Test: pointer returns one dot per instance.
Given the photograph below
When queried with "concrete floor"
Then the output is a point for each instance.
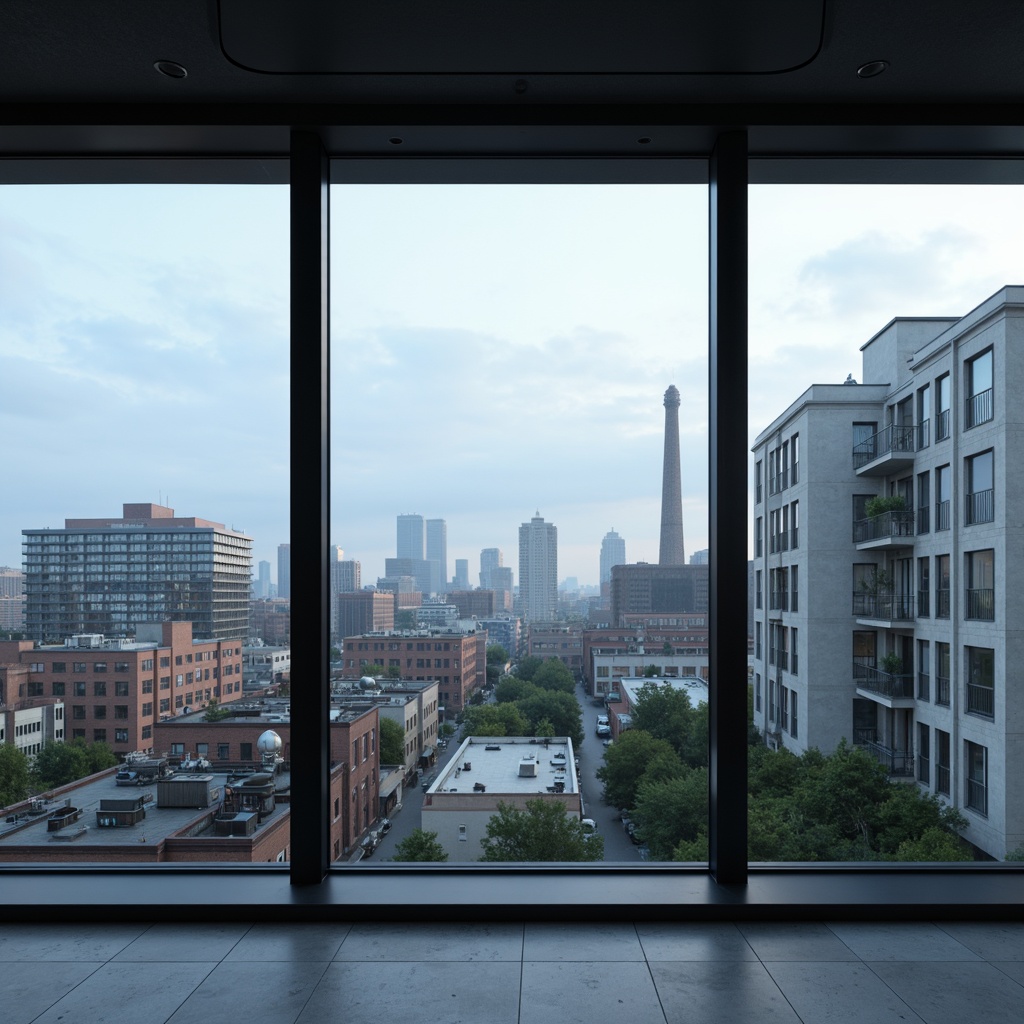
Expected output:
(512, 973)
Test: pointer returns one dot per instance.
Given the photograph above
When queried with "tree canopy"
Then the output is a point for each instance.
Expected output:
(392, 742)
(541, 832)
(495, 720)
(496, 654)
(420, 845)
(14, 775)
(667, 713)
(627, 760)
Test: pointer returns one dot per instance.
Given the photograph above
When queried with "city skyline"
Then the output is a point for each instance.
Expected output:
(537, 376)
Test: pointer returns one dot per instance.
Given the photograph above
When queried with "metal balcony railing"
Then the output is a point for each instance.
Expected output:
(891, 607)
(981, 604)
(942, 425)
(979, 507)
(978, 408)
(977, 796)
(981, 700)
(942, 515)
(887, 524)
(923, 434)
(889, 440)
(896, 686)
(895, 762)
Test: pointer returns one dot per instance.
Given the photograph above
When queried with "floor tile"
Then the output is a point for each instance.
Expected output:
(787, 941)
(290, 942)
(456, 942)
(721, 993)
(53, 942)
(952, 993)
(127, 993)
(1011, 968)
(900, 941)
(833, 992)
(438, 992)
(589, 993)
(711, 941)
(991, 941)
(28, 989)
(166, 943)
(272, 992)
(564, 942)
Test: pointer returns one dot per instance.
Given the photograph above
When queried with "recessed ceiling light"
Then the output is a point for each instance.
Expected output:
(395, 140)
(170, 68)
(872, 68)
(644, 140)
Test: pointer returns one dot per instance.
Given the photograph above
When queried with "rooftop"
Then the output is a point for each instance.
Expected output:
(510, 764)
(696, 687)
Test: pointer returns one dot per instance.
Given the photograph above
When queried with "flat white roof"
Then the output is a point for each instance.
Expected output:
(495, 763)
(696, 687)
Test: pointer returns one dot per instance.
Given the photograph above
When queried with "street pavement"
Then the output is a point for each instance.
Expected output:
(617, 845)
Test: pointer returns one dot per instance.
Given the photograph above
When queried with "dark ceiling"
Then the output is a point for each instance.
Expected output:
(406, 80)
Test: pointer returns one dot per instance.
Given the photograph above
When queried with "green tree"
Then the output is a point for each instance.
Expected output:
(541, 832)
(372, 669)
(671, 811)
(626, 761)
(553, 675)
(528, 666)
(512, 688)
(420, 845)
(214, 712)
(405, 619)
(57, 764)
(562, 710)
(99, 757)
(666, 713)
(496, 720)
(651, 672)
(14, 775)
(496, 655)
(392, 742)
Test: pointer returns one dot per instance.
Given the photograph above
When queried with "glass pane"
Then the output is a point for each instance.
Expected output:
(507, 363)
(862, 298)
(143, 349)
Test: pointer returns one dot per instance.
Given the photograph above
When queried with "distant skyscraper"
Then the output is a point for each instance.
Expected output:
(538, 569)
(284, 570)
(261, 589)
(461, 580)
(490, 559)
(410, 537)
(437, 554)
(613, 552)
(702, 557)
(671, 552)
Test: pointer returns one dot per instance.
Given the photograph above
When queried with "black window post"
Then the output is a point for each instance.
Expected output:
(310, 507)
(728, 448)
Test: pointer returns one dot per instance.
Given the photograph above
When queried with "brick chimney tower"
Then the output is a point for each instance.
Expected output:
(671, 552)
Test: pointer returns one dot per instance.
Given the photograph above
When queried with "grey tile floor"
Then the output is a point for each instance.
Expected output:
(512, 974)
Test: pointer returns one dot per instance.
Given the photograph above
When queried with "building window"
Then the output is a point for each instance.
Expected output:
(120, 710)
(784, 708)
(223, 751)
(924, 682)
(794, 591)
(758, 494)
(978, 403)
(120, 735)
(794, 524)
(793, 652)
(979, 500)
(942, 762)
(757, 638)
(79, 667)
(793, 726)
(924, 588)
(121, 688)
(59, 667)
(924, 503)
(942, 479)
(924, 413)
(99, 711)
(245, 749)
(758, 538)
(980, 593)
(924, 763)
(78, 711)
(757, 691)
(976, 795)
(99, 689)
(942, 586)
(865, 443)
(980, 665)
(99, 666)
(942, 674)
(121, 666)
(942, 424)
(57, 689)
(99, 735)
(794, 448)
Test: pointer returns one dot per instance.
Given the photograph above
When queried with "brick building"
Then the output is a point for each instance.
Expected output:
(365, 611)
(456, 659)
(116, 691)
(551, 640)
(472, 604)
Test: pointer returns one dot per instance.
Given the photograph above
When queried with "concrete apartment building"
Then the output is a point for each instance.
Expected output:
(28, 725)
(472, 604)
(538, 570)
(12, 599)
(116, 691)
(365, 611)
(894, 625)
(114, 575)
(554, 640)
(644, 589)
(271, 620)
(456, 659)
(488, 770)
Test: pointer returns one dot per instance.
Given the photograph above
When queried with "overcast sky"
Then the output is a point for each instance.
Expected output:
(497, 350)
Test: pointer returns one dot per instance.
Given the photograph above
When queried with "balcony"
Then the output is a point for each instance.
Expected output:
(889, 451)
(894, 529)
(979, 507)
(891, 689)
(942, 691)
(978, 409)
(886, 610)
(942, 425)
(895, 762)
(981, 604)
(981, 700)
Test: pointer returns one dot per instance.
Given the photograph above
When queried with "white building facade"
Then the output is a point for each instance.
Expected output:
(538, 570)
(885, 531)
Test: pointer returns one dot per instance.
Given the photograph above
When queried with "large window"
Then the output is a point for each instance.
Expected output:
(980, 665)
(978, 407)
(980, 594)
(979, 503)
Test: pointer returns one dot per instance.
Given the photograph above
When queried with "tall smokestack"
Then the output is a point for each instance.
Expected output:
(671, 552)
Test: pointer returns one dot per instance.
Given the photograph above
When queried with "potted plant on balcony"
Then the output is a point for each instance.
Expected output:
(892, 663)
(880, 504)
(878, 584)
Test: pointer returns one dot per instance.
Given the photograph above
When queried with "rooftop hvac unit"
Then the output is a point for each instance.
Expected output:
(528, 768)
